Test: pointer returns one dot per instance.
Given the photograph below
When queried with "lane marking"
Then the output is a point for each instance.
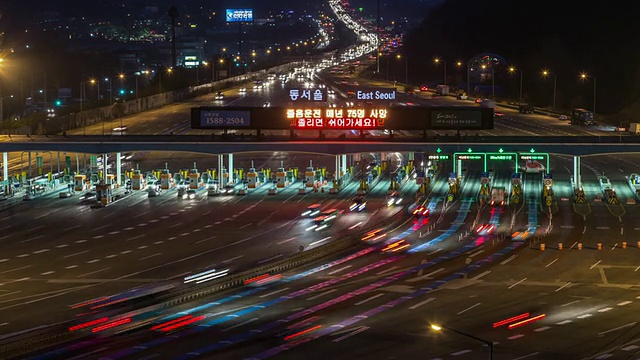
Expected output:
(563, 286)
(274, 292)
(338, 270)
(356, 332)
(241, 324)
(284, 241)
(594, 265)
(369, 299)
(75, 254)
(421, 303)
(508, 259)
(519, 282)
(387, 271)
(93, 272)
(469, 308)
(618, 328)
(244, 226)
(150, 256)
(551, 263)
(322, 294)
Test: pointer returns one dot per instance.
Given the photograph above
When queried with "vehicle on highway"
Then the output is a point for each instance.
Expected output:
(182, 184)
(461, 96)
(497, 196)
(242, 90)
(563, 117)
(374, 235)
(212, 187)
(478, 101)
(582, 117)
(533, 167)
(219, 95)
(266, 104)
(420, 211)
(312, 210)
(89, 196)
(120, 129)
(525, 109)
(424, 88)
(396, 246)
(409, 90)
(358, 204)
(485, 229)
(64, 195)
(394, 199)
(190, 194)
(498, 113)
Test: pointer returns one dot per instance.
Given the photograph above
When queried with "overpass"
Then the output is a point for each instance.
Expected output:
(567, 145)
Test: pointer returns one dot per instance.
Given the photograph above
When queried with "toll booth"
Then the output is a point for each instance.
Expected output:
(94, 179)
(485, 188)
(166, 180)
(110, 179)
(138, 181)
(79, 182)
(194, 179)
(225, 178)
(547, 189)
(282, 180)
(309, 177)
(453, 186)
(238, 175)
(253, 179)
(104, 193)
(212, 173)
(516, 189)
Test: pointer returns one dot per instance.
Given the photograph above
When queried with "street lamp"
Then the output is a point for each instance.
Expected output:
(493, 82)
(406, 68)
(583, 77)
(440, 327)
(546, 73)
(512, 70)
(2, 107)
(437, 61)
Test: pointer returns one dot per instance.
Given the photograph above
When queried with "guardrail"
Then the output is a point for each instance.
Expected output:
(28, 342)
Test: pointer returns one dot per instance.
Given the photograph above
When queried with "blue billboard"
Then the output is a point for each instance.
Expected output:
(239, 15)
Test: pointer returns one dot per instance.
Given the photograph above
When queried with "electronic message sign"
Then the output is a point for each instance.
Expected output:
(314, 116)
(239, 15)
(224, 118)
(374, 94)
(337, 118)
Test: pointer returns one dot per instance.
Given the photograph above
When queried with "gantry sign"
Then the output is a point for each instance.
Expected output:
(350, 118)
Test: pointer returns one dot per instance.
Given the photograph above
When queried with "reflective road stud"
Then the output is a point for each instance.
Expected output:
(599, 246)
(541, 247)
(579, 246)
(624, 244)
(559, 246)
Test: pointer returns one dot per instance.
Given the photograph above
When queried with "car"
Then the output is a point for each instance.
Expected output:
(563, 117)
(424, 88)
(187, 194)
(396, 246)
(485, 229)
(183, 184)
(258, 86)
(461, 96)
(88, 196)
(525, 109)
(435, 96)
(64, 195)
(120, 129)
(478, 100)
(219, 95)
(242, 90)
(420, 211)
(498, 113)
(358, 204)
(312, 210)
(266, 104)
(374, 235)
(394, 199)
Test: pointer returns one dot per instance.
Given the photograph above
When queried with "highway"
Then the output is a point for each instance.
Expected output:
(572, 267)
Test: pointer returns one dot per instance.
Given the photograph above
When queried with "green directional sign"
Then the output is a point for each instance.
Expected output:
(501, 157)
(438, 150)
(469, 156)
(534, 156)
(439, 157)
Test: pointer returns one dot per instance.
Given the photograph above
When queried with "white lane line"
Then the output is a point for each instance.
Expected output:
(594, 265)
(476, 253)
(244, 226)
(3, 260)
(480, 275)
(369, 299)
(421, 303)
(563, 286)
(71, 267)
(35, 228)
(508, 259)
(618, 328)
(203, 240)
(80, 241)
(284, 241)
(40, 251)
(469, 308)
(136, 237)
(625, 303)
(322, 294)
(93, 272)
(98, 236)
(542, 328)
(551, 263)
(461, 352)
(569, 303)
(141, 214)
(564, 322)
(319, 241)
(75, 254)
(150, 256)
(518, 336)
(356, 332)
(142, 247)
(7, 294)
(71, 228)
(33, 238)
(388, 270)
(271, 258)
(93, 261)
(605, 309)
(175, 225)
(61, 246)
(125, 252)
(22, 255)
(584, 316)
(274, 292)
(519, 282)
(233, 258)
(241, 324)
(338, 270)
(47, 273)
(16, 269)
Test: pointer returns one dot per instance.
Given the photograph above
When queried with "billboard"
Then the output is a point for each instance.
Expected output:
(315, 116)
(239, 15)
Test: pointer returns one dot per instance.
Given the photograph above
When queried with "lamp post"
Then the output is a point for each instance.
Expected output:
(2, 107)
(493, 82)
(546, 73)
(437, 61)
(440, 327)
(584, 76)
(406, 68)
(512, 70)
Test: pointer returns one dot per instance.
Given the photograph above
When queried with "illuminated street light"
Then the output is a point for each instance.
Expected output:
(437, 61)
(546, 73)
(585, 76)
(440, 327)
(512, 70)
